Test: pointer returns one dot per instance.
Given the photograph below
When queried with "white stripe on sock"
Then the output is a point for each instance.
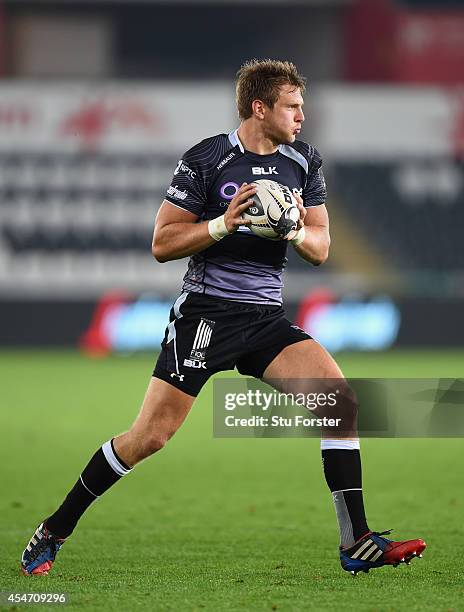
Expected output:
(86, 487)
(112, 460)
(341, 444)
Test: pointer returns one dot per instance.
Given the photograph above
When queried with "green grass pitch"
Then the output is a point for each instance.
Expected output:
(217, 524)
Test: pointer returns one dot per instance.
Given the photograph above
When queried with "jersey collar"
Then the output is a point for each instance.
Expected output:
(235, 140)
(286, 150)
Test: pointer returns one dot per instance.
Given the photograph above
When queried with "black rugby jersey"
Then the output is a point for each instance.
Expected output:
(241, 266)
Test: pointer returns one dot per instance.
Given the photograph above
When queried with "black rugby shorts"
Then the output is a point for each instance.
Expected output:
(206, 335)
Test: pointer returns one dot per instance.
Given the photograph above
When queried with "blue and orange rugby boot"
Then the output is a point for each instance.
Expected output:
(40, 553)
(373, 550)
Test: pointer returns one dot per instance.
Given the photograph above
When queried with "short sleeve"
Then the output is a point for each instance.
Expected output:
(314, 191)
(187, 188)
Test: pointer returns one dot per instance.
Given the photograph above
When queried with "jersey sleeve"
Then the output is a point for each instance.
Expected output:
(187, 189)
(314, 191)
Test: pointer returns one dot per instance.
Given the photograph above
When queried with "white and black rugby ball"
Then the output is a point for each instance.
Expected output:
(274, 213)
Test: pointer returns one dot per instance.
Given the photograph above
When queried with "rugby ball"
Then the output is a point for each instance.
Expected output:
(274, 213)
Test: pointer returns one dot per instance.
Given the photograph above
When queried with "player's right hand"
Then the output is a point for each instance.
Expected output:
(240, 202)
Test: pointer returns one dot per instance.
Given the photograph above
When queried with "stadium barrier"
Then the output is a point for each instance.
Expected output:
(126, 324)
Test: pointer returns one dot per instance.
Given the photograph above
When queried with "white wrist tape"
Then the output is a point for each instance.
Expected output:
(217, 228)
(300, 236)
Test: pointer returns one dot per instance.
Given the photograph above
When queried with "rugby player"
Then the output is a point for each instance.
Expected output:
(229, 313)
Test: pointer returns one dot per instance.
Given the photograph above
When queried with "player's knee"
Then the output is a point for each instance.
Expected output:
(153, 443)
(156, 440)
(348, 403)
(341, 411)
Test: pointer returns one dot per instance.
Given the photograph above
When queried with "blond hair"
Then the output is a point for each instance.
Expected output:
(262, 80)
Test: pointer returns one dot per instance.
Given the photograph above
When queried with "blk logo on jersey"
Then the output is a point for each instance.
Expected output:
(263, 172)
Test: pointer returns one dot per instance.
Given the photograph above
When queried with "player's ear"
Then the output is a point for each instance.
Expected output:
(258, 108)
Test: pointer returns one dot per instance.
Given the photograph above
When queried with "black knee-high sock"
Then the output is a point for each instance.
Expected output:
(342, 470)
(103, 471)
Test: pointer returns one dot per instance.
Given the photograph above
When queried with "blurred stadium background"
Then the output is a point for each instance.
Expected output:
(98, 101)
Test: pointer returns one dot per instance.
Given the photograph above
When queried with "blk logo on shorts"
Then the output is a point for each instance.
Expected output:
(195, 363)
